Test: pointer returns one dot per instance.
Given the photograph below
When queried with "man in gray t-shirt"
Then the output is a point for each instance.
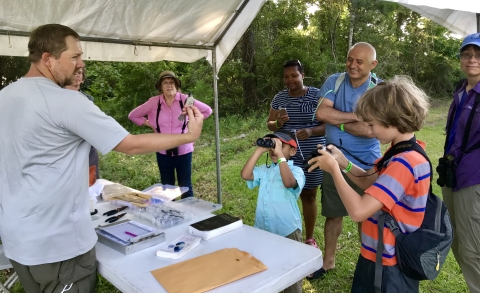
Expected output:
(46, 133)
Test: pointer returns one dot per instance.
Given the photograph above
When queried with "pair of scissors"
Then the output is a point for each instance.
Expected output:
(113, 212)
(115, 218)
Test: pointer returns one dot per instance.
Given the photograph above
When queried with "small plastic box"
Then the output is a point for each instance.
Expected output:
(164, 193)
(170, 214)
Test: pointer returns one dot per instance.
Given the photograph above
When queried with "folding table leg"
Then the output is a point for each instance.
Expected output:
(13, 278)
(4, 288)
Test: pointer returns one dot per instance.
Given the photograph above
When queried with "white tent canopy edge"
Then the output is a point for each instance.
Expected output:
(143, 31)
(462, 17)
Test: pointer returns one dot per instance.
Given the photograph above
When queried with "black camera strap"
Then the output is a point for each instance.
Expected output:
(400, 147)
(159, 107)
(466, 135)
(353, 156)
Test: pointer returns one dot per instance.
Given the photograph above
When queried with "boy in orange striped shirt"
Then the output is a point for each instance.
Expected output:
(394, 110)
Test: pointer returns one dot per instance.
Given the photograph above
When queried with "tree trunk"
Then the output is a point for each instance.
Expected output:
(248, 59)
(352, 10)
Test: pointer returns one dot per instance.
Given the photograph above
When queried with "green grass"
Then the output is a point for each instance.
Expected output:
(238, 133)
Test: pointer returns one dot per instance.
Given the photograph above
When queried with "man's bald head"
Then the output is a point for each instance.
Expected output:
(372, 53)
(361, 60)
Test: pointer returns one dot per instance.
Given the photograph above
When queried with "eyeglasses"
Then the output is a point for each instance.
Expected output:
(467, 56)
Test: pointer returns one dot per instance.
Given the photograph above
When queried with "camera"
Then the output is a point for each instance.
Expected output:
(446, 172)
(314, 153)
(266, 143)
(172, 152)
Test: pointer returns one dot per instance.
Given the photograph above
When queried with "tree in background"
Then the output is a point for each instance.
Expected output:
(11, 69)
(317, 32)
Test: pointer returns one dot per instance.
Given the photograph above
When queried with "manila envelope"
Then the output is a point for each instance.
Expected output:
(208, 271)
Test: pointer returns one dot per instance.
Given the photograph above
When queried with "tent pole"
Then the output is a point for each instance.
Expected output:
(217, 125)
(478, 22)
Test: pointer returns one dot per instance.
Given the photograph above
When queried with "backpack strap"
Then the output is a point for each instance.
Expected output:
(377, 283)
(184, 120)
(373, 81)
(159, 107)
(459, 85)
(452, 115)
(396, 149)
(338, 82)
(466, 134)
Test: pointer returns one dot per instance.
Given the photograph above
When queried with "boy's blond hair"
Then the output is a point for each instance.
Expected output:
(397, 102)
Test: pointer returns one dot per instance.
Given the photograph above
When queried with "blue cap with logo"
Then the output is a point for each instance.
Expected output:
(473, 39)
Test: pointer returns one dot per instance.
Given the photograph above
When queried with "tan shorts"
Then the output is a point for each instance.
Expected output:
(332, 205)
(75, 275)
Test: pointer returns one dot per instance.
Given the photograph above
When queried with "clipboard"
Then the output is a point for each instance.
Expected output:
(114, 236)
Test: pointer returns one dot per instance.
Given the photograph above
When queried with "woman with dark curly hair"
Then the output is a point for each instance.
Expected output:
(292, 110)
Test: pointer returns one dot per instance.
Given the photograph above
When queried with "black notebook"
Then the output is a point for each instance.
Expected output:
(215, 226)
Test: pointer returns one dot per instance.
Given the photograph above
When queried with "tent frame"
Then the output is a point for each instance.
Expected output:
(173, 45)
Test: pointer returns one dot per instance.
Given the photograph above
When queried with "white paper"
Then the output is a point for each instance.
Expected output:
(93, 192)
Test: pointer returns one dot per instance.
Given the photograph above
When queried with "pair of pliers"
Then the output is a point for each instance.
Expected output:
(113, 212)
(115, 218)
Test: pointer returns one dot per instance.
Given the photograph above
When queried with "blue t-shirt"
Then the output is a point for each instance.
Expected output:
(277, 209)
(367, 149)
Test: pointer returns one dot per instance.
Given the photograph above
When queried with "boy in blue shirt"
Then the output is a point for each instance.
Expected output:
(280, 185)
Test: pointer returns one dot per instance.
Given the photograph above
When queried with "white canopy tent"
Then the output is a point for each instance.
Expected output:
(137, 31)
(462, 17)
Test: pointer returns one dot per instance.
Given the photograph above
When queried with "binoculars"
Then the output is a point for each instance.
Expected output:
(446, 172)
(266, 143)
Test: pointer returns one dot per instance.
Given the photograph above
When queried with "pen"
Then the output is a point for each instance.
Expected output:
(130, 233)
(113, 219)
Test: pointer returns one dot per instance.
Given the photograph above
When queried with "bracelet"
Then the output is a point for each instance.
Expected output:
(281, 160)
(276, 124)
(349, 167)
(342, 127)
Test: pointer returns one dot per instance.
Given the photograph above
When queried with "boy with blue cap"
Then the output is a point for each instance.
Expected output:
(280, 185)
(458, 170)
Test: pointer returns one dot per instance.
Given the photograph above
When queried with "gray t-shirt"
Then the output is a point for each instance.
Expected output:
(45, 138)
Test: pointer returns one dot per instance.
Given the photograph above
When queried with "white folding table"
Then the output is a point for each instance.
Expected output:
(288, 261)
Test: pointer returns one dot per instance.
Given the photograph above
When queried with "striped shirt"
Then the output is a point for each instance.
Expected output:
(403, 188)
(300, 111)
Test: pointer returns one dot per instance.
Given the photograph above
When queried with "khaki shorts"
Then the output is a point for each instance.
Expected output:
(332, 205)
(75, 275)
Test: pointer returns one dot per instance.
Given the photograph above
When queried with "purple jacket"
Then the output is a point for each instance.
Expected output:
(467, 171)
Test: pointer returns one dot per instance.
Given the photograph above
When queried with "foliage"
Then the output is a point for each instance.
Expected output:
(406, 43)
(11, 69)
